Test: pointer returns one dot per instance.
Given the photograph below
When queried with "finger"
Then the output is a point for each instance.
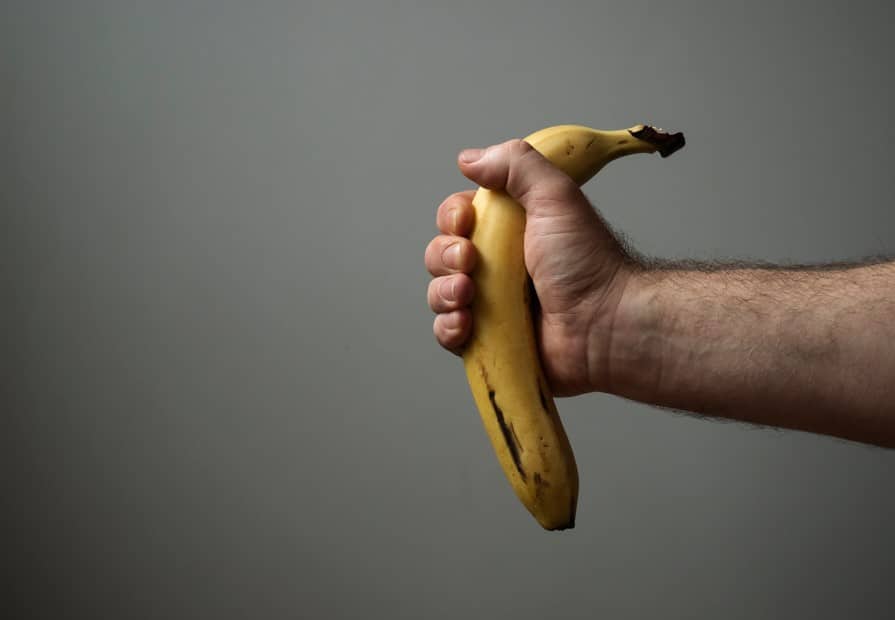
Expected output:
(455, 215)
(526, 175)
(446, 254)
(452, 329)
(449, 293)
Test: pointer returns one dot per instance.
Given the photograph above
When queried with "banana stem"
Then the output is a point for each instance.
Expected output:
(665, 143)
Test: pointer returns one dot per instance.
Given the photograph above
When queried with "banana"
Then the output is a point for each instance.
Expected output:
(501, 357)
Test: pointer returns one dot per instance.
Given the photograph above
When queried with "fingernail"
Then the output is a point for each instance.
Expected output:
(451, 255)
(455, 219)
(470, 156)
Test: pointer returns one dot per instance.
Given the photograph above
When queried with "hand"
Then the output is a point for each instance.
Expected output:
(579, 269)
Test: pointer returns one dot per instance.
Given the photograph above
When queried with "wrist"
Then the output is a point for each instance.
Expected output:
(624, 337)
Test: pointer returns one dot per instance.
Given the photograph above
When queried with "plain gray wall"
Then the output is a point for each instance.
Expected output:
(222, 398)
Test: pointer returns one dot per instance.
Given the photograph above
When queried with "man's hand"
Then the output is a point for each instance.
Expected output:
(578, 268)
(808, 348)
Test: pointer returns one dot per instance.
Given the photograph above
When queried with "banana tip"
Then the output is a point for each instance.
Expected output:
(559, 526)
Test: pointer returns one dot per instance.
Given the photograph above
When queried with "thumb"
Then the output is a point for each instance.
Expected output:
(518, 169)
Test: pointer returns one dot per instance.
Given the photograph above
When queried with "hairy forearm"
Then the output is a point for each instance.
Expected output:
(809, 349)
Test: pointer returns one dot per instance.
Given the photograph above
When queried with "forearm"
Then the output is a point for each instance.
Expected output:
(806, 349)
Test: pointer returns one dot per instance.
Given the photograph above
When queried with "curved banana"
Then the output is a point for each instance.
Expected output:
(501, 357)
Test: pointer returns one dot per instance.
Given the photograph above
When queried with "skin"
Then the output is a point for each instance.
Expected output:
(806, 348)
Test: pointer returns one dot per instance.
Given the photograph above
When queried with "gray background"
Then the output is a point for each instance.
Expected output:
(221, 394)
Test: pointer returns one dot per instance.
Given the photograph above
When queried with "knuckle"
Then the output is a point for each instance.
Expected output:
(518, 147)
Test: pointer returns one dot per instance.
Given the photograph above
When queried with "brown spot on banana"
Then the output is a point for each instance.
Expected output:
(483, 372)
(516, 441)
(509, 436)
(540, 486)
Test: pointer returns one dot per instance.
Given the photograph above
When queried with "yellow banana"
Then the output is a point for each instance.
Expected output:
(501, 356)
